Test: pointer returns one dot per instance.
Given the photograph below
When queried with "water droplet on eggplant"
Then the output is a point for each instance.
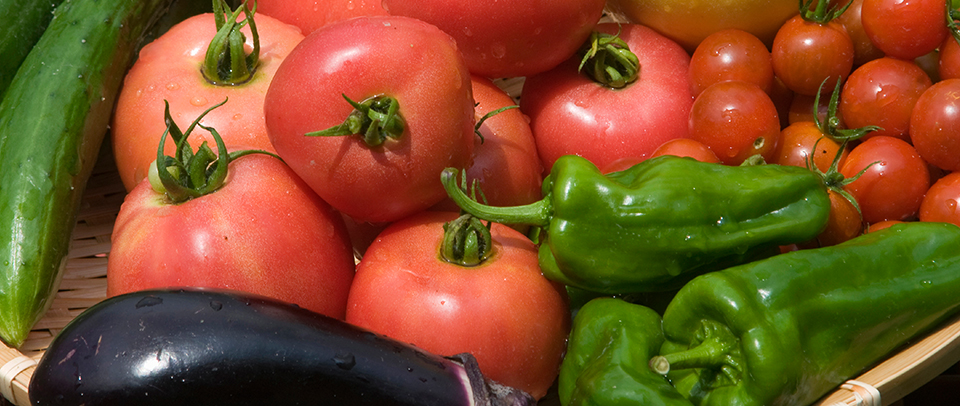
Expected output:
(149, 301)
(345, 361)
(216, 305)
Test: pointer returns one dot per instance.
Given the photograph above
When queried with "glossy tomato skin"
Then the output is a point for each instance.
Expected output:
(805, 53)
(508, 38)
(948, 60)
(503, 311)
(935, 125)
(940, 203)
(893, 187)
(730, 54)
(904, 29)
(169, 69)
(863, 48)
(883, 93)
(505, 162)
(308, 15)
(796, 147)
(264, 232)
(736, 120)
(359, 58)
(689, 22)
(571, 114)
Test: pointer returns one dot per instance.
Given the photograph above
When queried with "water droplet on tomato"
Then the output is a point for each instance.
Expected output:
(173, 86)
(498, 50)
(198, 101)
(237, 116)
(951, 204)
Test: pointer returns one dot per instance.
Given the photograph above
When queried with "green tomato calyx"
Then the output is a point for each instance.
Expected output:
(376, 119)
(608, 60)
(226, 62)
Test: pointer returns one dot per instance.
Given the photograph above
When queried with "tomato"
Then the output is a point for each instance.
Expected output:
(730, 54)
(572, 114)
(843, 224)
(882, 225)
(893, 185)
(508, 38)
(863, 48)
(736, 120)
(935, 125)
(687, 147)
(940, 203)
(169, 68)
(264, 231)
(689, 22)
(948, 59)
(883, 93)
(904, 29)
(805, 53)
(505, 162)
(387, 60)
(796, 147)
(308, 15)
(801, 108)
(503, 310)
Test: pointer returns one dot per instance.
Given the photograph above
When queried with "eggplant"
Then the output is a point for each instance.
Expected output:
(220, 347)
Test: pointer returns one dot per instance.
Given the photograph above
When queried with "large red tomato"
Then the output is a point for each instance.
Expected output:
(690, 21)
(570, 113)
(508, 38)
(308, 15)
(169, 68)
(389, 60)
(264, 231)
(503, 311)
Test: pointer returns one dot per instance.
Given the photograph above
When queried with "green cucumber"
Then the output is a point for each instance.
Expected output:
(53, 120)
(21, 24)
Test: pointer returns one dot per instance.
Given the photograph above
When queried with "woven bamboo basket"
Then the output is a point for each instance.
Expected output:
(84, 284)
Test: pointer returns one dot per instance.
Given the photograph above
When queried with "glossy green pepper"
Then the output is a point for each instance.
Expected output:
(788, 329)
(610, 345)
(657, 224)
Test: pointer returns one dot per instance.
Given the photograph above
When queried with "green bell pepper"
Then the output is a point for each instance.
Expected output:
(661, 222)
(788, 329)
(606, 361)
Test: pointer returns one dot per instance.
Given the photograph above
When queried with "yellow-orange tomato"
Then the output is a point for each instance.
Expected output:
(690, 21)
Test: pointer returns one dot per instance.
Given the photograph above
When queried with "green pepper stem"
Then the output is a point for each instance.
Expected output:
(711, 353)
(534, 214)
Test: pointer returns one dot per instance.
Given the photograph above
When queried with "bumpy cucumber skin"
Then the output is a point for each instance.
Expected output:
(53, 120)
(22, 22)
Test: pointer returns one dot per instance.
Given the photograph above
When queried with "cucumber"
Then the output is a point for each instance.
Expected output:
(53, 120)
(21, 24)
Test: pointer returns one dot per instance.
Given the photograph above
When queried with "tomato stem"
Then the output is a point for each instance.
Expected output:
(466, 241)
(609, 60)
(226, 62)
(190, 174)
(821, 14)
(376, 119)
(830, 125)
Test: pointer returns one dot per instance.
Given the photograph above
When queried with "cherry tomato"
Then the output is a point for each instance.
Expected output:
(883, 93)
(169, 68)
(687, 147)
(392, 62)
(940, 203)
(503, 310)
(796, 147)
(948, 60)
(508, 38)
(730, 54)
(308, 15)
(895, 180)
(736, 120)
(863, 49)
(843, 224)
(805, 53)
(572, 114)
(505, 162)
(904, 29)
(882, 225)
(264, 231)
(935, 125)
(689, 22)
(801, 108)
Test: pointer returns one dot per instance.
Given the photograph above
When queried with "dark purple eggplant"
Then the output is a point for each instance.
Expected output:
(217, 347)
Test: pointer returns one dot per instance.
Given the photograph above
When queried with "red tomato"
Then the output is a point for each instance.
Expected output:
(882, 225)
(508, 38)
(571, 114)
(689, 22)
(736, 120)
(362, 58)
(730, 54)
(687, 147)
(169, 69)
(505, 161)
(935, 125)
(863, 49)
(891, 188)
(796, 146)
(948, 59)
(503, 311)
(264, 231)
(805, 53)
(801, 108)
(940, 203)
(843, 224)
(308, 15)
(904, 29)
(882, 92)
